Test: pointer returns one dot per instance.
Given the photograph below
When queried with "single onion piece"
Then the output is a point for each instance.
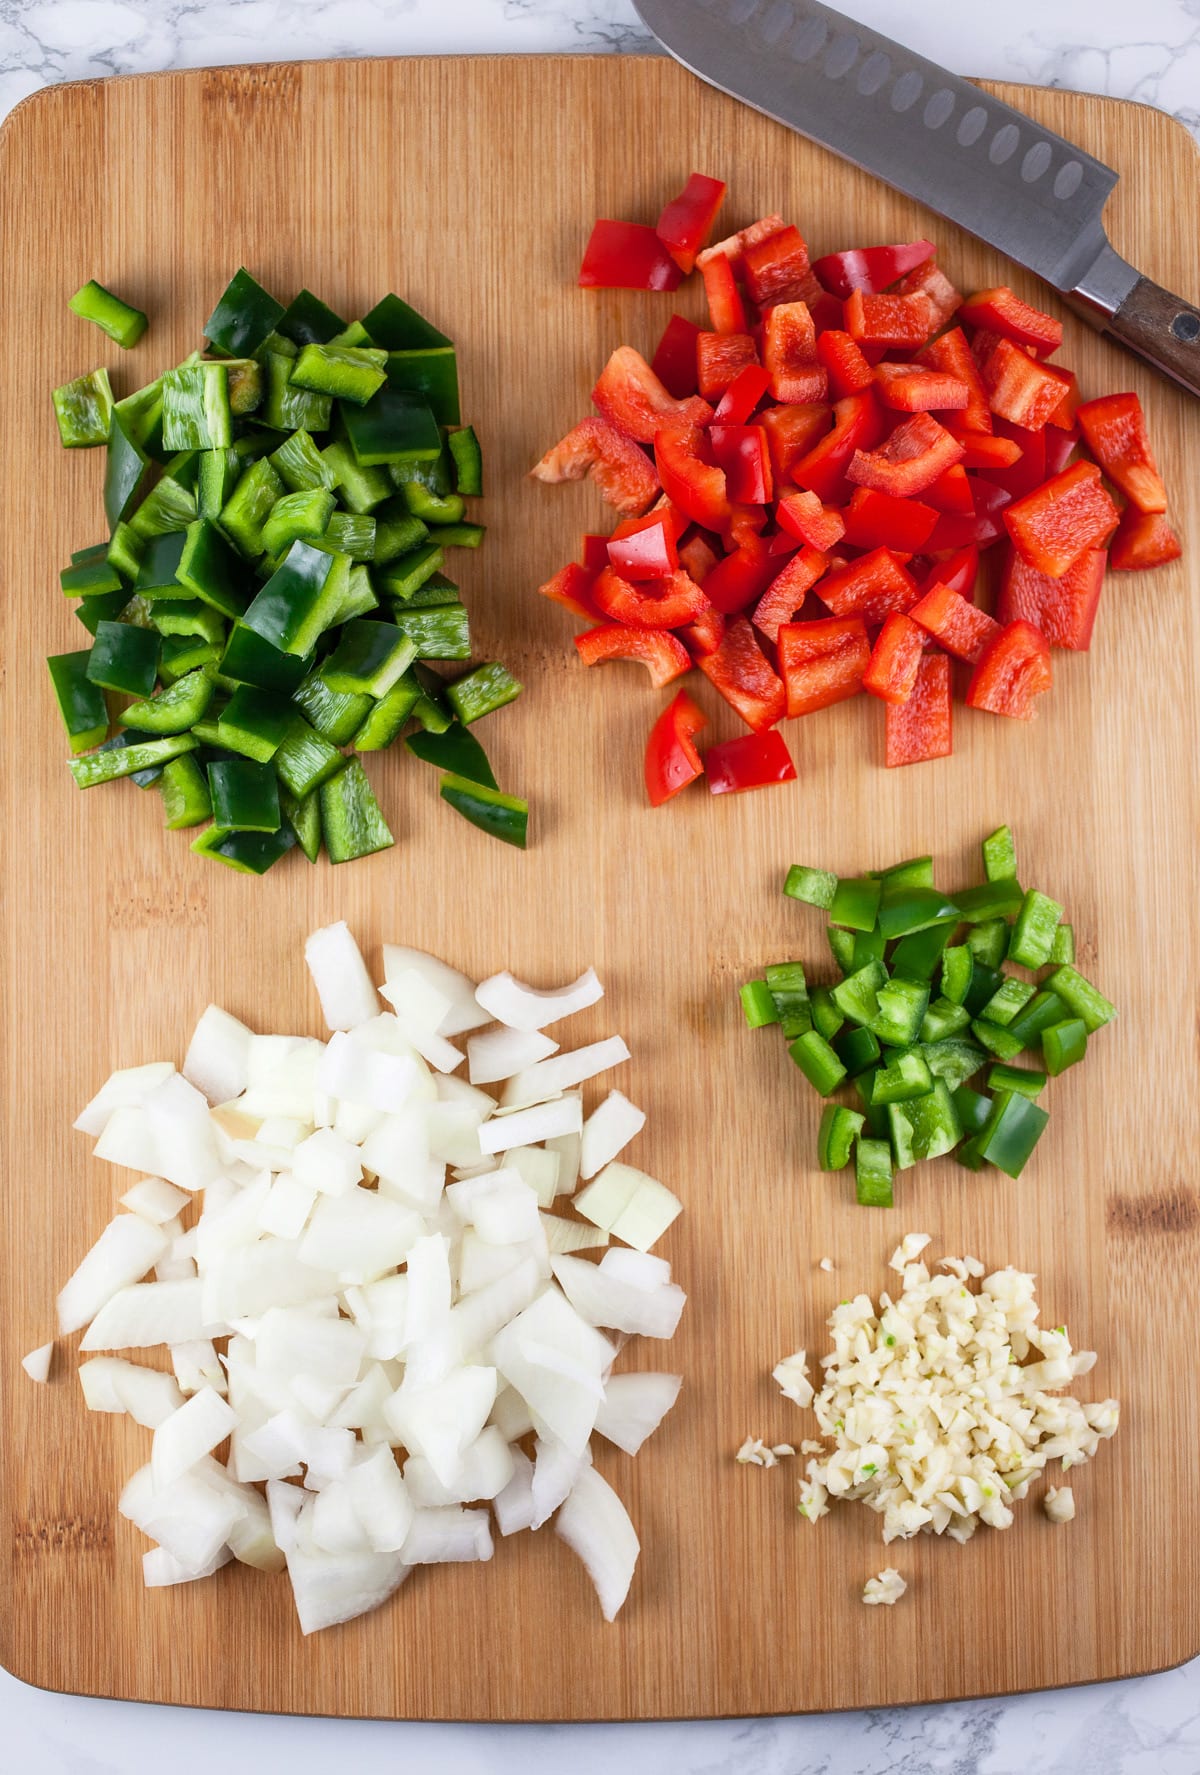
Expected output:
(528, 1125)
(603, 1298)
(191, 1432)
(633, 1407)
(160, 1568)
(448, 1536)
(499, 1053)
(607, 1131)
(629, 1204)
(125, 1250)
(330, 1588)
(519, 1006)
(513, 1507)
(464, 1013)
(37, 1363)
(155, 1200)
(218, 1057)
(549, 1077)
(571, 1235)
(124, 1089)
(340, 976)
(595, 1524)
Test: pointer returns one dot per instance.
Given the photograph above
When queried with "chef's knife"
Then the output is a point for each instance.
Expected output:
(938, 138)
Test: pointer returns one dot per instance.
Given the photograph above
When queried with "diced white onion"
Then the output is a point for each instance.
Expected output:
(124, 1089)
(340, 976)
(633, 1407)
(629, 1204)
(499, 1053)
(155, 1200)
(519, 1006)
(595, 1524)
(536, 1084)
(191, 1432)
(465, 1013)
(37, 1363)
(527, 1125)
(218, 1057)
(125, 1250)
(608, 1131)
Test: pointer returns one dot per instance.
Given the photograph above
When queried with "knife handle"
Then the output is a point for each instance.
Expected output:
(1163, 329)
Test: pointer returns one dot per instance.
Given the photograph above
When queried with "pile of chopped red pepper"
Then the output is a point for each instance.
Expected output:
(806, 488)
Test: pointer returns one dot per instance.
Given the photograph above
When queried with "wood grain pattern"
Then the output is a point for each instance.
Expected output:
(469, 185)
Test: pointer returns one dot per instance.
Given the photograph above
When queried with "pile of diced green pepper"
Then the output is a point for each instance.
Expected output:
(271, 593)
(923, 1005)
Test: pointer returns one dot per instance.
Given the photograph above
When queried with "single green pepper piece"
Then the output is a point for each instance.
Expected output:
(857, 1049)
(361, 489)
(81, 702)
(873, 1173)
(435, 476)
(397, 327)
(173, 710)
(308, 321)
(501, 816)
(1012, 1131)
(841, 947)
(127, 760)
(402, 577)
(245, 795)
(354, 334)
(432, 508)
(906, 1076)
(359, 598)
(855, 903)
(301, 467)
(996, 1038)
(758, 1006)
(184, 467)
(915, 872)
(84, 410)
(210, 569)
(196, 413)
(248, 507)
(184, 790)
(369, 658)
(429, 371)
(953, 1060)
(441, 633)
(244, 379)
(389, 715)
(118, 319)
(942, 1019)
(1000, 855)
(818, 1062)
(185, 653)
(187, 616)
(124, 658)
(456, 751)
(166, 509)
(353, 534)
(254, 722)
(789, 990)
(351, 821)
(868, 946)
(840, 1128)
(973, 1109)
(305, 760)
(1062, 949)
(216, 478)
(145, 774)
(900, 1010)
(984, 982)
(287, 407)
(815, 887)
(90, 579)
(106, 608)
(904, 908)
(298, 602)
(957, 968)
(468, 461)
(924, 1127)
(919, 955)
(431, 709)
(125, 551)
(140, 416)
(93, 556)
(1081, 998)
(1042, 1010)
(397, 532)
(856, 997)
(991, 899)
(461, 536)
(248, 659)
(1064, 1044)
(126, 469)
(349, 373)
(1032, 936)
(1007, 1001)
(158, 570)
(826, 1018)
(336, 717)
(297, 515)
(244, 317)
(250, 853)
(1016, 1078)
(304, 818)
(987, 942)
(392, 427)
(477, 694)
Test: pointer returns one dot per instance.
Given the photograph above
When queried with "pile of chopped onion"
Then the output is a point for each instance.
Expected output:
(376, 1303)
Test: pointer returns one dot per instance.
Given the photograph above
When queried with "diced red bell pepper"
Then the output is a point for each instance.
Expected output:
(951, 492)
(1018, 387)
(733, 247)
(644, 548)
(1000, 311)
(918, 451)
(803, 516)
(1068, 514)
(726, 309)
(871, 269)
(743, 395)
(1029, 470)
(981, 449)
(930, 281)
(741, 450)
(627, 256)
(572, 587)
(777, 270)
(982, 527)
(823, 662)
(950, 352)
(1059, 446)
(962, 628)
(912, 388)
(792, 432)
(741, 577)
(790, 354)
(877, 520)
(744, 676)
(753, 762)
(595, 553)
(674, 361)
(706, 633)
(623, 472)
(922, 727)
(858, 424)
(843, 359)
(687, 221)
(1013, 671)
(1064, 609)
(1065, 415)
(663, 655)
(872, 587)
(720, 360)
(827, 313)
(661, 604)
(1115, 429)
(958, 571)
(631, 397)
(1143, 539)
(890, 320)
(745, 526)
(788, 590)
(895, 660)
(690, 479)
(699, 557)
(672, 761)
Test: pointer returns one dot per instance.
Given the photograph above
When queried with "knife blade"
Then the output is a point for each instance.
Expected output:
(942, 140)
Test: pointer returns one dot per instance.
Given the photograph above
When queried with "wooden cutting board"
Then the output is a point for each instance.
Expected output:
(469, 185)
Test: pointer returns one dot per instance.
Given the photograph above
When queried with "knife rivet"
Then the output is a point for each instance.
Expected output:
(1186, 327)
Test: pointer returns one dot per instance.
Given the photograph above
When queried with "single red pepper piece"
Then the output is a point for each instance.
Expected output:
(872, 587)
(803, 516)
(1065, 415)
(631, 397)
(1064, 609)
(918, 451)
(741, 577)
(1013, 671)
(663, 656)
(743, 395)
(790, 354)
(745, 526)
(931, 282)
(726, 309)
(1018, 387)
(912, 388)
(644, 548)
(741, 450)
(981, 449)
(827, 313)
(1000, 311)
(676, 521)
(687, 221)
(957, 571)
(720, 360)
(1115, 429)
(623, 472)
(706, 633)
(1029, 470)
(871, 269)
(627, 256)
(792, 432)
(895, 660)
(674, 360)
(890, 320)
(788, 590)
(878, 520)
(776, 269)
(699, 557)
(951, 353)
(858, 424)
(753, 762)
(823, 662)
(664, 604)
(843, 359)
(744, 676)
(1059, 446)
(733, 247)
(572, 587)
(981, 528)
(1143, 539)
(922, 727)
(951, 492)
(672, 761)
(1068, 514)
(595, 553)
(690, 479)
(962, 628)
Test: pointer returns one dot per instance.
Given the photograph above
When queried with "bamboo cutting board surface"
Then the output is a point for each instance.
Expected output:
(469, 185)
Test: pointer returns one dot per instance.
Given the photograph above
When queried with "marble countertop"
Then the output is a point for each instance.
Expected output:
(1147, 1726)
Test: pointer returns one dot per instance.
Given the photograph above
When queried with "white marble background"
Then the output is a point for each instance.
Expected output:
(1138, 49)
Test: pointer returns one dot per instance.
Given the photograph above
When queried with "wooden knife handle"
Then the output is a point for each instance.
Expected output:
(1163, 329)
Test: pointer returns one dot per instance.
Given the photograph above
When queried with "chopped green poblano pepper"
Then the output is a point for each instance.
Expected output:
(432, 508)
(392, 427)
(84, 410)
(126, 469)
(397, 532)
(254, 722)
(815, 887)
(361, 489)
(789, 990)
(244, 317)
(80, 701)
(106, 608)
(184, 653)
(287, 407)
(429, 371)
(184, 790)
(196, 412)
(487, 688)
(308, 321)
(440, 633)
(248, 659)
(335, 716)
(120, 320)
(1000, 855)
(1032, 936)
(347, 372)
(1064, 1044)
(248, 507)
(250, 853)
(1081, 998)
(873, 1173)
(840, 1128)
(128, 760)
(168, 507)
(304, 818)
(124, 658)
(1013, 1129)
(389, 715)
(297, 515)
(758, 1005)
(210, 569)
(174, 710)
(300, 465)
(218, 475)
(351, 822)
(369, 658)
(245, 795)
(461, 536)
(397, 327)
(305, 759)
(468, 461)
(359, 598)
(158, 570)
(501, 816)
(353, 534)
(298, 602)
(90, 579)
